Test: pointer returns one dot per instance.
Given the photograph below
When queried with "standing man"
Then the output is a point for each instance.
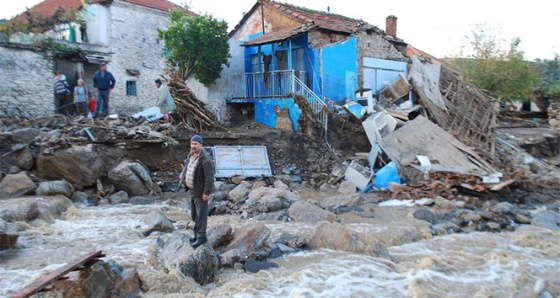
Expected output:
(165, 103)
(199, 177)
(103, 82)
(62, 92)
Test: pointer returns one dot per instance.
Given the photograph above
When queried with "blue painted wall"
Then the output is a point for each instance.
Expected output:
(340, 72)
(265, 111)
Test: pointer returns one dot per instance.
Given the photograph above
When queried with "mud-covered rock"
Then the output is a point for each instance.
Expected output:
(133, 178)
(80, 165)
(16, 185)
(53, 188)
(249, 238)
(30, 208)
(156, 221)
(338, 237)
(306, 212)
(201, 263)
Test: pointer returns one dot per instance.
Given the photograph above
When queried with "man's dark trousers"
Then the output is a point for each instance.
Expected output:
(102, 101)
(199, 214)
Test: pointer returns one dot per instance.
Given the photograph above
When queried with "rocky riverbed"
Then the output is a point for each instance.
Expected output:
(70, 186)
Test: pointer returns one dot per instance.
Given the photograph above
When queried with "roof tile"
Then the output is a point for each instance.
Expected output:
(322, 19)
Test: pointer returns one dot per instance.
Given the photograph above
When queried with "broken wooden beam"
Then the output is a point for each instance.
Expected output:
(77, 264)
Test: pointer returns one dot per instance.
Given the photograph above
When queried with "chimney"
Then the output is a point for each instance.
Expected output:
(391, 26)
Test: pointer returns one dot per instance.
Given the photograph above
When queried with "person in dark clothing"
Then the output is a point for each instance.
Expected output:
(62, 93)
(199, 178)
(103, 82)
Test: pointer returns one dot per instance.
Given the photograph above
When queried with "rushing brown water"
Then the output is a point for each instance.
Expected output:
(506, 264)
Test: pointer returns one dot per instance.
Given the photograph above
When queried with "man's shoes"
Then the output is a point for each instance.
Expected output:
(198, 242)
(192, 239)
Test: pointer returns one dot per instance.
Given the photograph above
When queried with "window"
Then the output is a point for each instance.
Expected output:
(131, 88)
(256, 62)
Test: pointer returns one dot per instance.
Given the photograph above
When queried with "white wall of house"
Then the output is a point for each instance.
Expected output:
(231, 82)
(97, 18)
(135, 45)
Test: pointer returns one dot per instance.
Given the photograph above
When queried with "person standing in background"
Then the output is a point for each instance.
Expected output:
(62, 100)
(165, 103)
(80, 98)
(103, 82)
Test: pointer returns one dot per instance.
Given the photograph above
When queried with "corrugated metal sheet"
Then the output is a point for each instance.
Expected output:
(247, 161)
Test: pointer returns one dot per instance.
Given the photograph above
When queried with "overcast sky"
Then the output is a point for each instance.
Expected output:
(439, 27)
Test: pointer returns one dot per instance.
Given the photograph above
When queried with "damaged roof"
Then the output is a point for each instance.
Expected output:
(49, 8)
(281, 35)
(324, 20)
(310, 20)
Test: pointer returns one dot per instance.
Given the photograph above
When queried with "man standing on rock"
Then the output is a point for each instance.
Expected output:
(199, 177)
(103, 82)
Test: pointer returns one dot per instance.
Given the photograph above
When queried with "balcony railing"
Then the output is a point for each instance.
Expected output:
(278, 83)
(285, 83)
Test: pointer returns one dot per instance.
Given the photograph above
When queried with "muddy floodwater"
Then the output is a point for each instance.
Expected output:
(506, 264)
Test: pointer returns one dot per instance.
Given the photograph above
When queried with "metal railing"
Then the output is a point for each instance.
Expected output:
(318, 105)
(277, 83)
(283, 83)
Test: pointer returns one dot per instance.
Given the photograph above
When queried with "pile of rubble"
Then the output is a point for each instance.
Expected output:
(434, 134)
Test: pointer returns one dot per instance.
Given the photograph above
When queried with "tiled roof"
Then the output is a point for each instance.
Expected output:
(280, 35)
(48, 8)
(324, 20)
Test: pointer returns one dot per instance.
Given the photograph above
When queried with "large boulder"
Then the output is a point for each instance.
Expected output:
(24, 135)
(306, 212)
(273, 199)
(21, 156)
(201, 263)
(249, 238)
(157, 221)
(54, 188)
(8, 235)
(342, 200)
(102, 279)
(263, 192)
(338, 237)
(119, 197)
(16, 185)
(133, 178)
(239, 193)
(219, 234)
(31, 208)
(80, 165)
(5, 141)
(547, 219)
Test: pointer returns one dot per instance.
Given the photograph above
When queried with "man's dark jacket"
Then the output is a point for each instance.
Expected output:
(103, 82)
(203, 175)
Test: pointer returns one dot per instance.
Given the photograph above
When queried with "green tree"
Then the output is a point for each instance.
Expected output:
(549, 83)
(196, 45)
(501, 73)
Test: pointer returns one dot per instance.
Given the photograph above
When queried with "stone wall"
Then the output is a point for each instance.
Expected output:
(26, 76)
(135, 44)
(374, 45)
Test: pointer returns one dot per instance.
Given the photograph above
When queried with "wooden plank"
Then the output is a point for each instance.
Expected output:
(44, 281)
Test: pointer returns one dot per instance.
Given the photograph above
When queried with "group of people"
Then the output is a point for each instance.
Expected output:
(198, 172)
(103, 83)
(81, 100)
